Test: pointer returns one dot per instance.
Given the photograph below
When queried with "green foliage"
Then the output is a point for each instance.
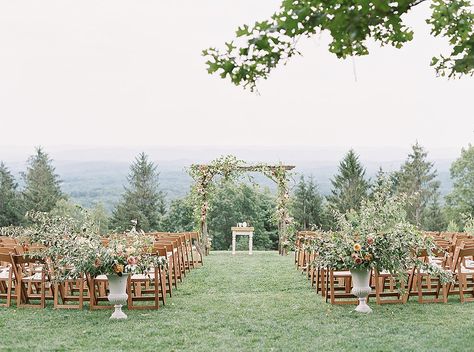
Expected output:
(461, 199)
(452, 226)
(417, 179)
(469, 224)
(42, 186)
(10, 205)
(101, 218)
(232, 204)
(142, 201)
(180, 216)
(455, 21)
(307, 205)
(258, 49)
(434, 218)
(67, 209)
(349, 185)
(378, 236)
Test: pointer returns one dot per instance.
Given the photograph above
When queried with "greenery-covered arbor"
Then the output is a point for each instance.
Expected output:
(229, 167)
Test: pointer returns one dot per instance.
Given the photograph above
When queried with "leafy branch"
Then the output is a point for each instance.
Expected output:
(258, 49)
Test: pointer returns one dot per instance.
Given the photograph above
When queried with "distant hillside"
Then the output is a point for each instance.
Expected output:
(88, 182)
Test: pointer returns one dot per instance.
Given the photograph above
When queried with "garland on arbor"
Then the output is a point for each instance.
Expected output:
(231, 168)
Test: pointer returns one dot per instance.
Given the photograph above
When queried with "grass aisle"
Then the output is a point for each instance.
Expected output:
(244, 303)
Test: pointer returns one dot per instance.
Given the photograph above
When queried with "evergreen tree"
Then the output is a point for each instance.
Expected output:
(180, 216)
(434, 219)
(349, 185)
(307, 205)
(10, 207)
(142, 201)
(417, 178)
(461, 199)
(42, 186)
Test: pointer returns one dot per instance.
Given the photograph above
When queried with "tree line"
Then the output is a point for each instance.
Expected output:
(144, 201)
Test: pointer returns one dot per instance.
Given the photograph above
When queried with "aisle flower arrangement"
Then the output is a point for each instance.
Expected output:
(378, 236)
(74, 252)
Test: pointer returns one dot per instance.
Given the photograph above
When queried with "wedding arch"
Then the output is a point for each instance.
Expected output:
(229, 167)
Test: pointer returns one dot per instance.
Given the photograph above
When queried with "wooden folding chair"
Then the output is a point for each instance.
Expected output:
(189, 249)
(98, 292)
(70, 290)
(463, 273)
(146, 288)
(173, 257)
(423, 285)
(166, 272)
(30, 278)
(180, 251)
(386, 286)
(196, 249)
(338, 287)
(6, 277)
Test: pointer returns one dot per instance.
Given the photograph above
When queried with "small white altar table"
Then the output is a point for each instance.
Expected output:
(242, 231)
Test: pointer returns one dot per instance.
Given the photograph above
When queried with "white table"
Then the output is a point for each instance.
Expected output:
(242, 231)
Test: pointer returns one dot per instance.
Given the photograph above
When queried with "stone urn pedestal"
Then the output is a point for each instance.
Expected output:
(361, 288)
(118, 294)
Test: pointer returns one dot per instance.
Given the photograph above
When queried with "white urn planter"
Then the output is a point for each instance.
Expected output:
(118, 294)
(361, 288)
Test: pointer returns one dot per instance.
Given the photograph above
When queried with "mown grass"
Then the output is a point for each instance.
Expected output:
(244, 303)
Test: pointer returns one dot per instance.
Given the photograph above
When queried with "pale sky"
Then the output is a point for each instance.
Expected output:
(130, 73)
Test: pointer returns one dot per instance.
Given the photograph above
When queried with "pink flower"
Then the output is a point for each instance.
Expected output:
(132, 261)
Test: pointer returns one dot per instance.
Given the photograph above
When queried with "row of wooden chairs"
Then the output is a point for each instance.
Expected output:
(25, 279)
(456, 256)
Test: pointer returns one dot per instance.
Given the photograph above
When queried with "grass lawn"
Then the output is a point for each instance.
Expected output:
(245, 303)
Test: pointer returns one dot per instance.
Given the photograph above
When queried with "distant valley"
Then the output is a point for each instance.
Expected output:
(87, 179)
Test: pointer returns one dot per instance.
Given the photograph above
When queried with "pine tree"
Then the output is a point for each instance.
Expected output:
(42, 186)
(307, 206)
(434, 219)
(10, 207)
(349, 185)
(143, 200)
(417, 178)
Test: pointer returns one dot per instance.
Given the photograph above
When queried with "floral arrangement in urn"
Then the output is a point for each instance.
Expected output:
(378, 236)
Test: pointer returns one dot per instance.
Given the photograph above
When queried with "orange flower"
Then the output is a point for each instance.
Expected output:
(118, 268)
(357, 247)
(368, 257)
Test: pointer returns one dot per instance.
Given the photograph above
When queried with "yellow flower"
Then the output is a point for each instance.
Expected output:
(357, 247)
(118, 268)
